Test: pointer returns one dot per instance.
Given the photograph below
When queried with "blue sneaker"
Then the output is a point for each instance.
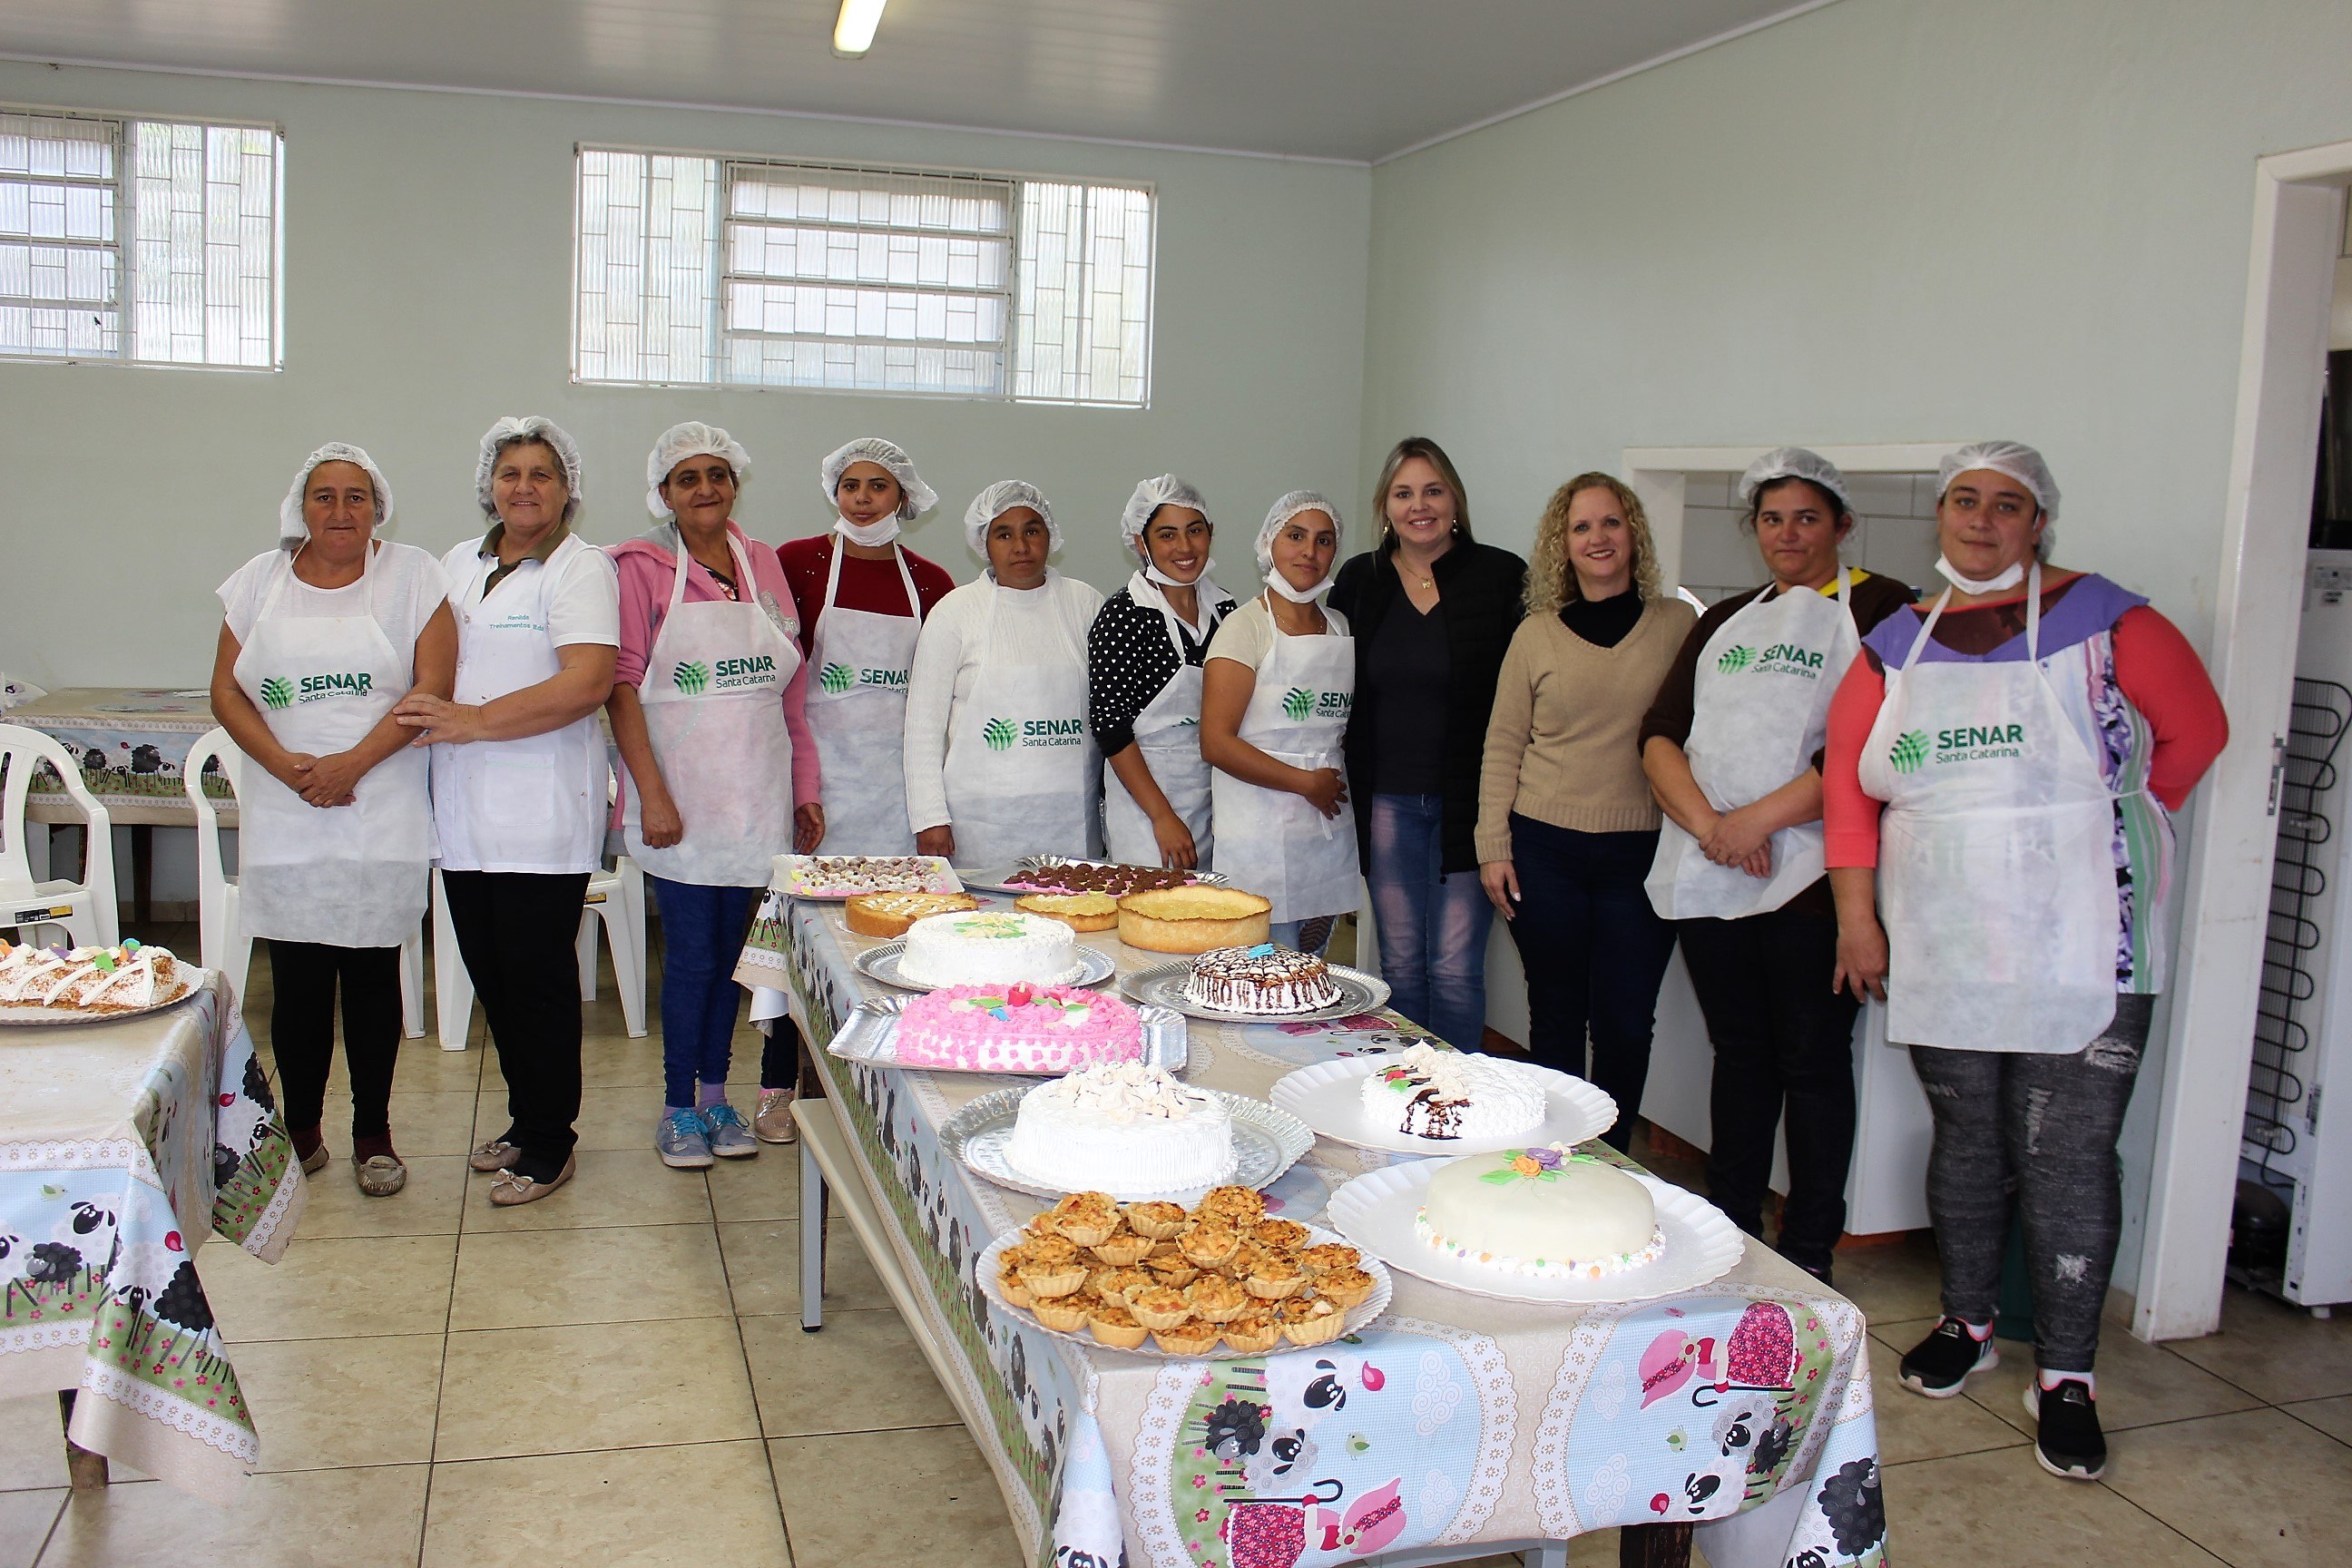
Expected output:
(729, 1134)
(682, 1142)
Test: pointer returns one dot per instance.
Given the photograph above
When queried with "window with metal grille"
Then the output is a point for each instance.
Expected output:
(149, 241)
(700, 270)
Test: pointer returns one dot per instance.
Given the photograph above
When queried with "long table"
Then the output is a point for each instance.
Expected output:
(1454, 1426)
(123, 1147)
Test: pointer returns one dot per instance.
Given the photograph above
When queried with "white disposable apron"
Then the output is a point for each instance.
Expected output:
(1272, 842)
(713, 698)
(857, 711)
(1996, 860)
(535, 805)
(1022, 768)
(1759, 709)
(346, 875)
(1167, 737)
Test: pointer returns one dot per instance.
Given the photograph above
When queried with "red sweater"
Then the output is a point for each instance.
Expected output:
(870, 586)
(2156, 669)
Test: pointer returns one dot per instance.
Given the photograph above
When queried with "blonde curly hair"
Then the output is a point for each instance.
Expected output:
(1552, 578)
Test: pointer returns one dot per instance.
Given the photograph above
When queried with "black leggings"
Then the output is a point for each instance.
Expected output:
(516, 931)
(302, 977)
(1781, 1037)
(2040, 1129)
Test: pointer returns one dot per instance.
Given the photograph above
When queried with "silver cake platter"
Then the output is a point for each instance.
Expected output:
(870, 1035)
(1162, 986)
(1093, 967)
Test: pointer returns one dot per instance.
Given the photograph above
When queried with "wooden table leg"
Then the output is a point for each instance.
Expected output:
(85, 1469)
(1653, 1546)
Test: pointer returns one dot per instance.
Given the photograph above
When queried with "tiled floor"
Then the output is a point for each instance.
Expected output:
(617, 1377)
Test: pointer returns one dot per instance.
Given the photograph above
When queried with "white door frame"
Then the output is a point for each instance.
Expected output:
(2298, 231)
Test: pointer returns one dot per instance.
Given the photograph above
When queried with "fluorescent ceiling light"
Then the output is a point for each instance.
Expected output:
(852, 34)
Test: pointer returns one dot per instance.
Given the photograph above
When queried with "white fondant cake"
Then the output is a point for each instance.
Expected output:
(1544, 1212)
(1430, 1092)
(989, 947)
(1125, 1128)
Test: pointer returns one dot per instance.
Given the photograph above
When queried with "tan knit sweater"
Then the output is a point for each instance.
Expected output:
(1560, 747)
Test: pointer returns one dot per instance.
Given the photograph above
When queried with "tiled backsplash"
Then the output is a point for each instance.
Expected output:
(1893, 532)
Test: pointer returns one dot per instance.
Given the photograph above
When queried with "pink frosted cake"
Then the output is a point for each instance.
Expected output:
(1017, 1028)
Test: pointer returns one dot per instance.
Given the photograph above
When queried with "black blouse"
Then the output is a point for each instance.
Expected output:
(1129, 662)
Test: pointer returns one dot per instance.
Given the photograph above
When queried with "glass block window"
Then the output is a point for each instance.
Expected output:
(730, 271)
(149, 241)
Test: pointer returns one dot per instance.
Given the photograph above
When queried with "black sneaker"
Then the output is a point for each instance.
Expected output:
(1939, 1365)
(2068, 1442)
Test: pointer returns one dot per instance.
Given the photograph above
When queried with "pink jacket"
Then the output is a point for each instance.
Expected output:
(649, 569)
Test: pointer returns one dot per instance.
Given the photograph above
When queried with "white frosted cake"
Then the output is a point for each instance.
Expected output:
(1126, 1128)
(91, 980)
(1546, 1213)
(1430, 1092)
(989, 947)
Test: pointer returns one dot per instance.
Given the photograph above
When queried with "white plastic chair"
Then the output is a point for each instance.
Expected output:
(226, 945)
(85, 908)
(616, 896)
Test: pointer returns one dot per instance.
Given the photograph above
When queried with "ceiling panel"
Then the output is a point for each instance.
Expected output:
(1334, 78)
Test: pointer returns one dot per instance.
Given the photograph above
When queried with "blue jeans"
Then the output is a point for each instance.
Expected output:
(1432, 927)
(1595, 954)
(702, 933)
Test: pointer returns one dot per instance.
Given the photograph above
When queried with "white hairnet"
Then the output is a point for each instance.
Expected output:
(2015, 459)
(691, 439)
(291, 529)
(515, 430)
(1794, 463)
(995, 501)
(1148, 498)
(916, 497)
(1286, 509)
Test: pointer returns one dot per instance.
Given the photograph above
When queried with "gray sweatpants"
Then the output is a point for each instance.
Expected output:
(2040, 1130)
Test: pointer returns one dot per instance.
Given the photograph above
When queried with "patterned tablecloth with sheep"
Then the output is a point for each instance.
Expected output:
(123, 1146)
(130, 742)
(1454, 1419)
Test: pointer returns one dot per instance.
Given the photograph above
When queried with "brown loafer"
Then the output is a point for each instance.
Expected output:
(315, 1161)
(773, 1124)
(511, 1188)
(380, 1175)
(498, 1154)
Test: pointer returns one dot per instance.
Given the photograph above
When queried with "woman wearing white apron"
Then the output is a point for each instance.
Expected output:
(1728, 746)
(2029, 749)
(1000, 762)
(862, 596)
(520, 783)
(707, 711)
(1280, 681)
(1144, 655)
(322, 636)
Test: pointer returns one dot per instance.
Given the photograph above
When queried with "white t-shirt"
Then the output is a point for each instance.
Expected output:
(586, 606)
(404, 585)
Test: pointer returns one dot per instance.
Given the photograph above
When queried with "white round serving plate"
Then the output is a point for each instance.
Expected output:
(1375, 1214)
(1359, 1318)
(1328, 1097)
(1162, 986)
(940, 878)
(1266, 1143)
(30, 1015)
(1000, 878)
(1094, 966)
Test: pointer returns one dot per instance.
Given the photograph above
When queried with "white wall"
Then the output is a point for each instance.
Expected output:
(428, 260)
(1883, 221)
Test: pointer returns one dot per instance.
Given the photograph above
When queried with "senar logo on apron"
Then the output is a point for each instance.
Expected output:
(1271, 841)
(1759, 709)
(857, 711)
(1022, 772)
